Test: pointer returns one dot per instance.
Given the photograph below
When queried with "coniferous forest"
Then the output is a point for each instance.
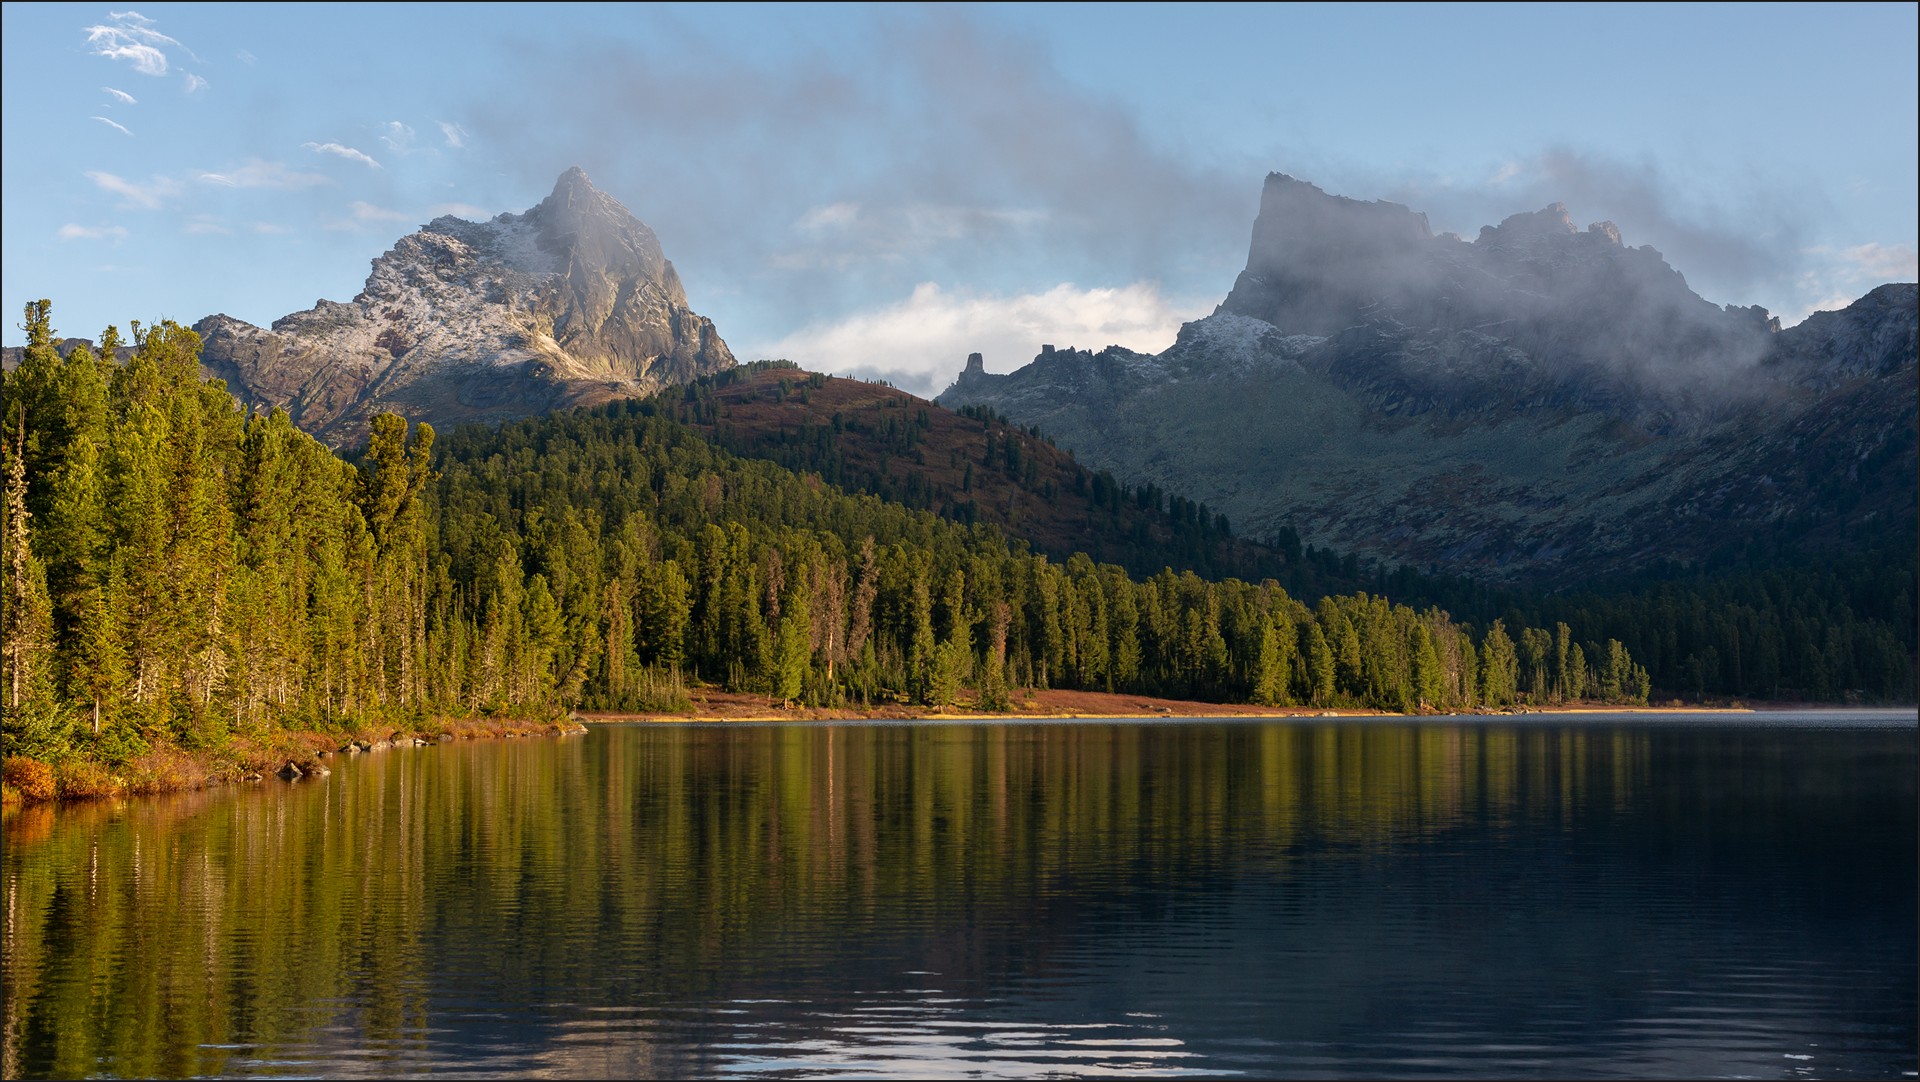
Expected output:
(181, 572)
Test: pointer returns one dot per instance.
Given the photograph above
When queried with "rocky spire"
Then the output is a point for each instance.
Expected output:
(573, 301)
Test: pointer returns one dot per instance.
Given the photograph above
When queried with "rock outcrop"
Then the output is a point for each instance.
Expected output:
(571, 303)
(1544, 404)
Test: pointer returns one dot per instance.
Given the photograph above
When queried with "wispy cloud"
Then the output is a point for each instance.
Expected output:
(149, 195)
(195, 84)
(461, 210)
(397, 136)
(831, 216)
(1881, 263)
(1730, 242)
(340, 151)
(261, 174)
(92, 232)
(364, 215)
(455, 135)
(1842, 276)
(121, 128)
(963, 129)
(838, 236)
(269, 229)
(919, 344)
(121, 96)
(131, 37)
(246, 58)
(205, 225)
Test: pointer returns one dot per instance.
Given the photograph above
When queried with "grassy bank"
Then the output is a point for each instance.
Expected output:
(242, 758)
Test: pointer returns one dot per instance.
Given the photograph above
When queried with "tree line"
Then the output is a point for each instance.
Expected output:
(180, 570)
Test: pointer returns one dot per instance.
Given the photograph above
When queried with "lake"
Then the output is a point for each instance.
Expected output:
(1602, 895)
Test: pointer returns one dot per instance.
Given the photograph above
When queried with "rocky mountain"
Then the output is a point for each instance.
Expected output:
(1543, 404)
(571, 303)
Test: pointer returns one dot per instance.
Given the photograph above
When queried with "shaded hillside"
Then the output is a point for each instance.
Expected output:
(1541, 407)
(974, 466)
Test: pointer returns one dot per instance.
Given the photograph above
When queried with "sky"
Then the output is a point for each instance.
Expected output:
(880, 191)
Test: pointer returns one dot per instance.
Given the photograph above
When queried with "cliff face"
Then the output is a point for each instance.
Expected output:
(571, 303)
(1542, 404)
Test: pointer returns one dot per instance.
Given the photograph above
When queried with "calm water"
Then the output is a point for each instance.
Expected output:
(1620, 896)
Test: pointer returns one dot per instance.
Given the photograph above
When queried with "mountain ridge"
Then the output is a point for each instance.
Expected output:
(1542, 405)
(571, 303)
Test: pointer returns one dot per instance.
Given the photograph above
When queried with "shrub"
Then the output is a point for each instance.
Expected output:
(32, 777)
(162, 770)
(83, 779)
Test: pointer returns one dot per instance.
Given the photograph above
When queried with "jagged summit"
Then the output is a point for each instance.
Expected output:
(1582, 304)
(1542, 403)
(569, 303)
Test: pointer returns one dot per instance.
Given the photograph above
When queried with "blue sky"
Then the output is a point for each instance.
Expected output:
(883, 189)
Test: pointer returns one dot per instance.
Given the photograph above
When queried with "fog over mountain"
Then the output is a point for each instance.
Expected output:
(1543, 402)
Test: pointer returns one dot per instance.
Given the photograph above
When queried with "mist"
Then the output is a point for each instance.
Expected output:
(930, 149)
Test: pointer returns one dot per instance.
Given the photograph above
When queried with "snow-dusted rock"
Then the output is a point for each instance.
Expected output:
(571, 303)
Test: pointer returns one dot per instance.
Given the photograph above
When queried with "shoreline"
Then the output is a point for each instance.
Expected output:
(295, 754)
(712, 705)
(246, 759)
(824, 715)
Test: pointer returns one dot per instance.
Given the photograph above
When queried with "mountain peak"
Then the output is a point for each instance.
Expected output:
(570, 302)
(575, 206)
(575, 189)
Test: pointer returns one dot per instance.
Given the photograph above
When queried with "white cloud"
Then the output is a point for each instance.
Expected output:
(269, 229)
(456, 135)
(121, 96)
(1844, 275)
(145, 59)
(131, 37)
(149, 195)
(365, 215)
(246, 58)
(921, 343)
(121, 128)
(339, 151)
(259, 174)
(205, 225)
(832, 216)
(397, 136)
(460, 210)
(838, 236)
(1883, 263)
(195, 83)
(94, 232)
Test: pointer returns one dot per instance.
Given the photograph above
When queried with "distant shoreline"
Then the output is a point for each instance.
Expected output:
(711, 705)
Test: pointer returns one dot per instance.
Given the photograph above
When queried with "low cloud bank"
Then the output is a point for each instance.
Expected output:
(919, 344)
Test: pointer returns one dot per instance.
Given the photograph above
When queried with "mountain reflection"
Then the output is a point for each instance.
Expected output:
(985, 899)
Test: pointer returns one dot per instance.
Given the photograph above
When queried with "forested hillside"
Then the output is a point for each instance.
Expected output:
(1765, 622)
(179, 571)
(970, 465)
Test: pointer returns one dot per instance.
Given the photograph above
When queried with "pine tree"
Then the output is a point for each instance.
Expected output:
(1499, 667)
(1427, 686)
(28, 616)
(1320, 666)
(792, 654)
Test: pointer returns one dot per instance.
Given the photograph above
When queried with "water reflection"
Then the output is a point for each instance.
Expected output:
(1613, 897)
